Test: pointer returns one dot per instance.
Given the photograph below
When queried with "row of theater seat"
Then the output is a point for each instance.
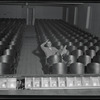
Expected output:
(84, 48)
(10, 44)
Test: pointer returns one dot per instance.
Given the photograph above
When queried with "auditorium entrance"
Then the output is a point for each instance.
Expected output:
(30, 16)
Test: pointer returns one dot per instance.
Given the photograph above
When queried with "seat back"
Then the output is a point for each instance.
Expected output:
(83, 48)
(93, 68)
(76, 68)
(89, 44)
(91, 53)
(59, 68)
(54, 59)
(69, 59)
(77, 53)
(71, 48)
(98, 52)
(96, 48)
(85, 59)
(78, 44)
(96, 59)
(4, 68)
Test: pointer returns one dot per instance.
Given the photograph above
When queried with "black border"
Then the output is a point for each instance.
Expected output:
(51, 1)
(48, 97)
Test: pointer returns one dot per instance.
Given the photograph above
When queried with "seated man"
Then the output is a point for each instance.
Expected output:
(63, 51)
(49, 50)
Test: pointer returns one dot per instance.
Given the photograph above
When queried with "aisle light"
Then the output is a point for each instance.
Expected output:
(78, 81)
(28, 83)
(70, 81)
(86, 81)
(53, 82)
(45, 82)
(95, 81)
(61, 82)
(11, 83)
(3, 83)
(36, 82)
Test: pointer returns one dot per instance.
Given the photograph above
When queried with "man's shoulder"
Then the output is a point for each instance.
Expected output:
(54, 48)
(46, 48)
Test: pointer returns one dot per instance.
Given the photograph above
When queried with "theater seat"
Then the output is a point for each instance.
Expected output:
(85, 59)
(93, 68)
(77, 53)
(59, 68)
(69, 59)
(76, 68)
(96, 59)
(54, 59)
(91, 53)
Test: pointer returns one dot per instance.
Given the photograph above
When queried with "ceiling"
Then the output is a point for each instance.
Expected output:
(43, 3)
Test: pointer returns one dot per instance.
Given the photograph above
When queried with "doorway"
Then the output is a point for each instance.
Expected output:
(30, 16)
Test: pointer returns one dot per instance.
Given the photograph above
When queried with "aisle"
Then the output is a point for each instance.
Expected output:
(29, 63)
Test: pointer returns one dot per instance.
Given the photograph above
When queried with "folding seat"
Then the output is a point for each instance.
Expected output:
(4, 68)
(2, 47)
(69, 59)
(77, 53)
(91, 53)
(54, 59)
(72, 37)
(98, 40)
(63, 40)
(66, 39)
(97, 44)
(89, 37)
(8, 59)
(68, 36)
(89, 44)
(58, 68)
(76, 68)
(68, 43)
(83, 41)
(98, 52)
(80, 38)
(83, 48)
(93, 40)
(74, 34)
(95, 37)
(78, 44)
(96, 48)
(71, 48)
(10, 52)
(85, 59)
(74, 40)
(85, 35)
(93, 68)
(54, 40)
(96, 58)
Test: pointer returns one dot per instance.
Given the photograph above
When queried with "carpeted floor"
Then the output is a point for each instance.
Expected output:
(29, 63)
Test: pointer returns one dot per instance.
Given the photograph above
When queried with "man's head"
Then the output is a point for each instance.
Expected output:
(49, 44)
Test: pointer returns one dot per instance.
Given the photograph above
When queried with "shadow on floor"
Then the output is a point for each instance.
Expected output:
(39, 53)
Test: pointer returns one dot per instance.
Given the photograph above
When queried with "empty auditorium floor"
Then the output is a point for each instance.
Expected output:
(29, 63)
